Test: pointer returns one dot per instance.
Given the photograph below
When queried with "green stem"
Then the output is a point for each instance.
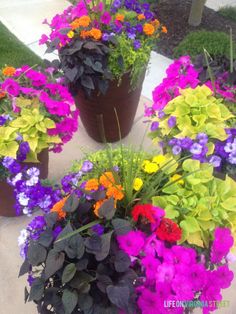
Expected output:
(206, 54)
(89, 225)
(231, 51)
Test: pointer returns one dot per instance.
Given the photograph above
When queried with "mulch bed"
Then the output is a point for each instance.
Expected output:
(174, 14)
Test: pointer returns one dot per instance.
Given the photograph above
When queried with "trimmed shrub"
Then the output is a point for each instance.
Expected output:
(216, 43)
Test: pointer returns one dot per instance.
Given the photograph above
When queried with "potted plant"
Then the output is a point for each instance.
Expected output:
(36, 115)
(104, 48)
(189, 118)
(104, 248)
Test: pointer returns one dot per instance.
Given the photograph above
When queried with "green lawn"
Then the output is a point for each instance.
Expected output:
(14, 52)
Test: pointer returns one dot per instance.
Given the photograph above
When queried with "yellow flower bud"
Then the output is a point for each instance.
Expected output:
(70, 34)
(177, 177)
(137, 184)
(158, 159)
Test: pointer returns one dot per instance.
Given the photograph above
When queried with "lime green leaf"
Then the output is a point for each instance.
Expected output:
(49, 124)
(195, 239)
(190, 224)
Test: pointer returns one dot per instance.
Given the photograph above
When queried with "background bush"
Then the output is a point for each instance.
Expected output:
(228, 12)
(216, 43)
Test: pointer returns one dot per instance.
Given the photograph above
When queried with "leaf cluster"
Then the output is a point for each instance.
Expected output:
(80, 271)
(201, 204)
(85, 66)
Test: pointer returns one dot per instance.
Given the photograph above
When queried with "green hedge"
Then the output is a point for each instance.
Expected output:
(216, 43)
(228, 11)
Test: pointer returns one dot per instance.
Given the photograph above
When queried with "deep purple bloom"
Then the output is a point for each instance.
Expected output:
(202, 138)
(99, 229)
(137, 44)
(171, 121)
(2, 120)
(161, 114)
(14, 167)
(105, 37)
(56, 232)
(139, 28)
(186, 143)
(154, 126)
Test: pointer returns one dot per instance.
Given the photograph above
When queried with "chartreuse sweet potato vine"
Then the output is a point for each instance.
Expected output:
(199, 203)
(33, 127)
(196, 111)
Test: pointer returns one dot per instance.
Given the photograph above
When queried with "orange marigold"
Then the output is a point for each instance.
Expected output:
(2, 94)
(75, 24)
(92, 184)
(120, 17)
(164, 29)
(58, 208)
(155, 23)
(107, 179)
(141, 17)
(84, 34)
(115, 192)
(148, 29)
(95, 33)
(8, 71)
(84, 21)
(97, 205)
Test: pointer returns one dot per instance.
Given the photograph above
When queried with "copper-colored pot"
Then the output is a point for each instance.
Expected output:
(98, 112)
(7, 198)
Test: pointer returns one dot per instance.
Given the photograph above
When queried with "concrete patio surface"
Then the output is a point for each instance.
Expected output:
(24, 18)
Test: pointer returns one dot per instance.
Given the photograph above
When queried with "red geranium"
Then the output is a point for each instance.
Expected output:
(168, 230)
(145, 211)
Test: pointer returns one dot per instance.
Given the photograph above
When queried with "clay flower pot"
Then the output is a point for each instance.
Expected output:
(99, 113)
(7, 198)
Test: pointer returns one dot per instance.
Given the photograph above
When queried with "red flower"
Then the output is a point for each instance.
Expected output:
(145, 211)
(168, 230)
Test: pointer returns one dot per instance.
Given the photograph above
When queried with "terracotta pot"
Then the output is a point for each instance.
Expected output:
(98, 111)
(7, 198)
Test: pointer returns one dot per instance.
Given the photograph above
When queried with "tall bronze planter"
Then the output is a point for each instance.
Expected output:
(100, 113)
(7, 198)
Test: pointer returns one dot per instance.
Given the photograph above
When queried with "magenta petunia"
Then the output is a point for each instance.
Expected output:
(106, 18)
(132, 242)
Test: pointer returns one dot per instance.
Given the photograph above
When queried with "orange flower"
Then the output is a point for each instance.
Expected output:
(95, 33)
(2, 94)
(107, 179)
(115, 192)
(8, 71)
(84, 34)
(97, 205)
(58, 208)
(92, 184)
(75, 24)
(120, 17)
(148, 29)
(141, 17)
(155, 23)
(84, 21)
(164, 29)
